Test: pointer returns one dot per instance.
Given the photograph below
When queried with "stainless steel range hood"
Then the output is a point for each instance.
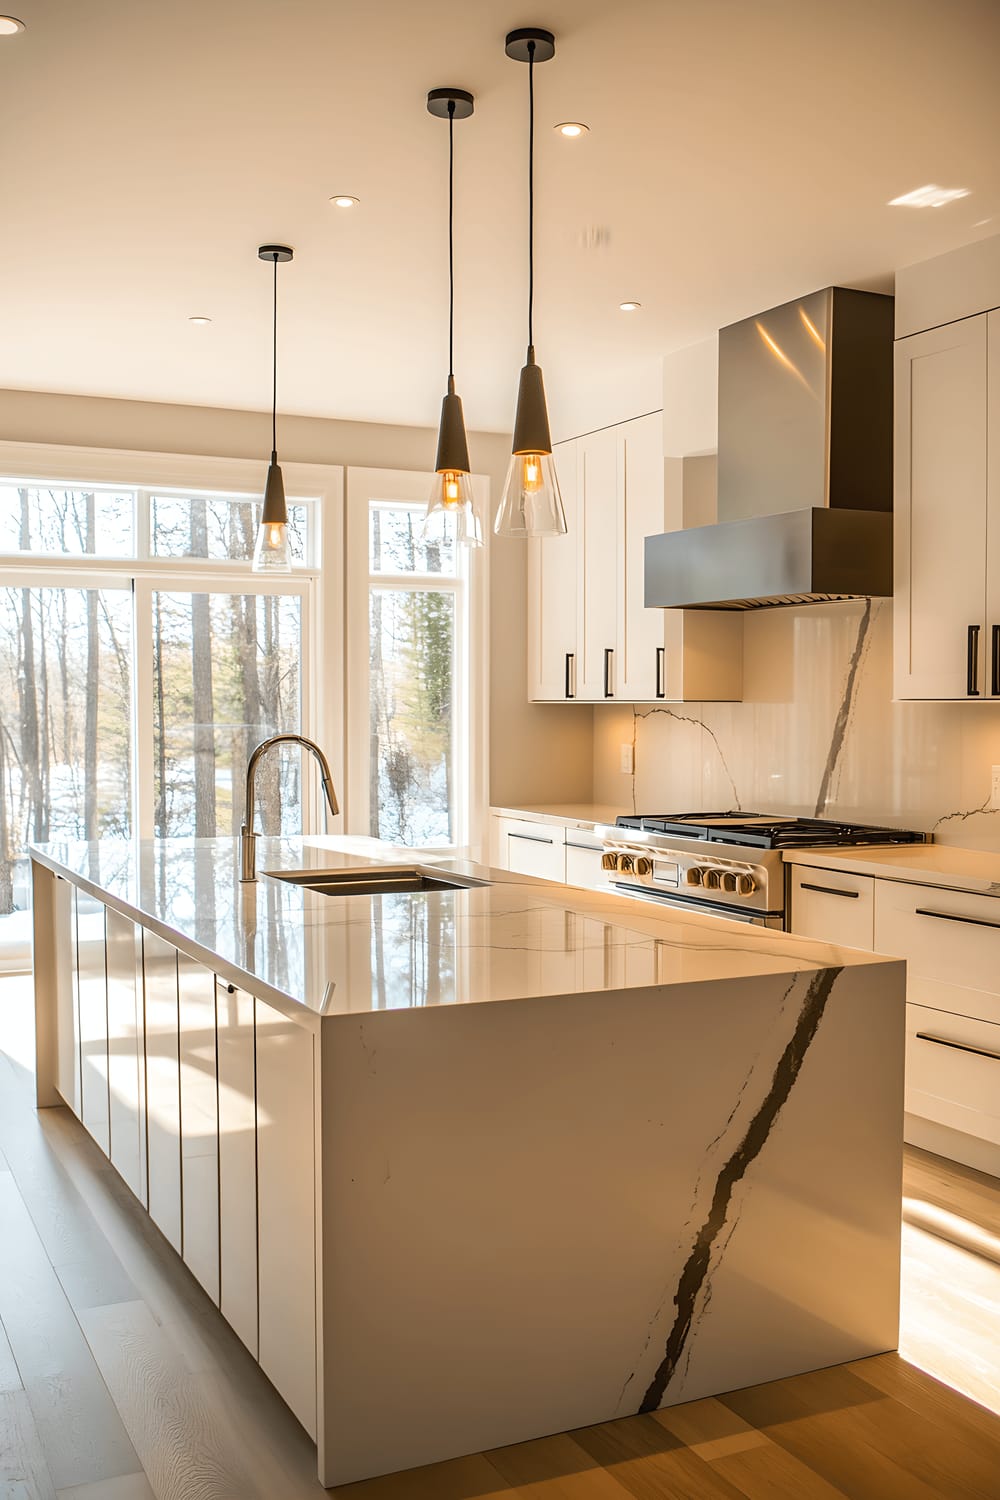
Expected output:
(805, 463)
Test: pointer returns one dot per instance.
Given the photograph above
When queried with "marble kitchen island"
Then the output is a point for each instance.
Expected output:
(469, 1166)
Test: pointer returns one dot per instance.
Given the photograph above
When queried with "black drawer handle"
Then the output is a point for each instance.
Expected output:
(570, 660)
(944, 1041)
(995, 663)
(950, 916)
(661, 655)
(829, 890)
(972, 665)
(531, 838)
(608, 655)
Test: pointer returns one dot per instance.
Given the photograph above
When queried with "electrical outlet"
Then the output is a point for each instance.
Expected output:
(995, 789)
(628, 762)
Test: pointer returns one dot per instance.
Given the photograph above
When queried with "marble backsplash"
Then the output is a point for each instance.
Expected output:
(817, 734)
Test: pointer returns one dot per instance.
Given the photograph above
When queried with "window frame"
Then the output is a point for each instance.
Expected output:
(321, 486)
(469, 584)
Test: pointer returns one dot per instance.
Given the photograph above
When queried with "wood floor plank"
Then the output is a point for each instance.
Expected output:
(188, 1451)
(10, 1379)
(871, 1449)
(555, 1468)
(127, 1487)
(757, 1467)
(649, 1461)
(24, 1474)
(81, 1433)
(473, 1478)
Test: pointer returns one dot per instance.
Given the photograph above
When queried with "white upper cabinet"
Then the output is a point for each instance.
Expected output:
(592, 638)
(947, 586)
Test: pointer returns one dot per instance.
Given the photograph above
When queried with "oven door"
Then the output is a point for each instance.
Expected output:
(689, 904)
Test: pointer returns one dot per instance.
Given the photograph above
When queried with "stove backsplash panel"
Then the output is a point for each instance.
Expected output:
(817, 735)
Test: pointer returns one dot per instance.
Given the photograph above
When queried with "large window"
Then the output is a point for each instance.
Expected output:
(415, 669)
(141, 659)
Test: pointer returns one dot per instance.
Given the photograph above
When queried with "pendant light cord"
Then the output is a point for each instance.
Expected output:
(274, 369)
(531, 194)
(451, 242)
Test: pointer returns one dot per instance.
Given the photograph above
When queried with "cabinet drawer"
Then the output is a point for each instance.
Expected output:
(833, 906)
(951, 943)
(533, 848)
(953, 1071)
(583, 859)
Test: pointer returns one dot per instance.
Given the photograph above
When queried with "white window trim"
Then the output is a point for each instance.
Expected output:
(472, 737)
(322, 611)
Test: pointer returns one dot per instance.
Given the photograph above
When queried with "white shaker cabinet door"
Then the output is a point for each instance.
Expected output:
(126, 1053)
(597, 602)
(553, 663)
(940, 622)
(237, 1161)
(640, 666)
(93, 1001)
(286, 1235)
(199, 1122)
(163, 1084)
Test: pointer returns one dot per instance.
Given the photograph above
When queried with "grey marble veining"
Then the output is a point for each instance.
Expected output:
(511, 938)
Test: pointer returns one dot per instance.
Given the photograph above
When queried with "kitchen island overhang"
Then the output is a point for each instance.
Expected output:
(570, 1157)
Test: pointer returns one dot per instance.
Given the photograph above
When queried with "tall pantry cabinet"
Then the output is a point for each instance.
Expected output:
(947, 478)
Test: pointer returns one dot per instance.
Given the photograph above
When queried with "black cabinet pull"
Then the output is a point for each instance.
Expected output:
(944, 1041)
(972, 665)
(608, 654)
(569, 674)
(661, 687)
(530, 838)
(950, 916)
(829, 890)
(995, 663)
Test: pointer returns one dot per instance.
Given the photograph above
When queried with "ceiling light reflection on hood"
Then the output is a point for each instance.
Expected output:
(928, 196)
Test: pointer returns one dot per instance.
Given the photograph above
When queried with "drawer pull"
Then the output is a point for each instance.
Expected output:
(995, 667)
(972, 663)
(950, 916)
(570, 674)
(944, 1041)
(531, 838)
(661, 690)
(590, 848)
(609, 653)
(829, 890)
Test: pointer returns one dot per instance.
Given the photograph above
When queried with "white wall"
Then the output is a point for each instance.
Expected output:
(536, 753)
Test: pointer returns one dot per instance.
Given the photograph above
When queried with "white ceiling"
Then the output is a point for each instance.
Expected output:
(739, 153)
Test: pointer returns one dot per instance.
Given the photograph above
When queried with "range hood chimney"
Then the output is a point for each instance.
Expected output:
(805, 463)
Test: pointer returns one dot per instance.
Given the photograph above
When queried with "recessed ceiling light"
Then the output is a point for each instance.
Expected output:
(10, 26)
(572, 128)
(928, 196)
(630, 306)
(199, 318)
(344, 200)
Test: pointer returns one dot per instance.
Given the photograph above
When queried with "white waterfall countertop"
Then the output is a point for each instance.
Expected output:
(314, 955)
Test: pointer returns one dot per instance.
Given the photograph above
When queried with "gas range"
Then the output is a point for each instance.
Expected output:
(728, 864)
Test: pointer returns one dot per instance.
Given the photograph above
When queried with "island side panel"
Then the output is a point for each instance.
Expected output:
(51, 903)
(512, 1195)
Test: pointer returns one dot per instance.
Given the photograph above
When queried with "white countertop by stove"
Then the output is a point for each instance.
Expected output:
(976, 870)
(576, 814)
(512, 938)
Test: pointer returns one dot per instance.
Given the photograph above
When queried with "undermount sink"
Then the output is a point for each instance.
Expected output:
(372, 882)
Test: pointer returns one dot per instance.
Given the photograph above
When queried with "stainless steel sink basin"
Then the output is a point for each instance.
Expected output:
(372, 882)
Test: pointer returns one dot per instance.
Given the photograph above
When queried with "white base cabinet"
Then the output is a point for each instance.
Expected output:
(126, 1052)
(237, 1161)
(549, 850)
(199, 1122)
(163, 1085)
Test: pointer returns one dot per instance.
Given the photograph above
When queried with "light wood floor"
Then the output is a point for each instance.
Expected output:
(119, 1380)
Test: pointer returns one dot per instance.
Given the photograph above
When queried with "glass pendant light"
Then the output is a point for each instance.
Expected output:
(531, 504)
(451, 489)
(271, 554)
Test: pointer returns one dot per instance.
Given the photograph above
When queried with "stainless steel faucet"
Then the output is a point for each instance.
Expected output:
(248, 839)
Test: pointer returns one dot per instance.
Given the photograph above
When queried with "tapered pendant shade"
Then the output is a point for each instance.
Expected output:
(451, 505)
(531, 504)
(271, 553)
